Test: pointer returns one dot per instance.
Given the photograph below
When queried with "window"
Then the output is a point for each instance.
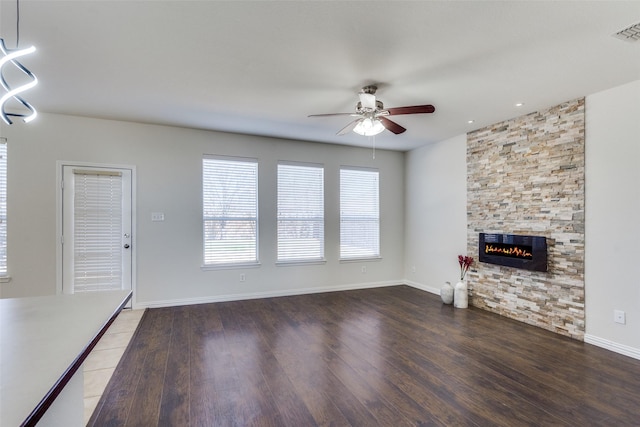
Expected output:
(230, 211)
(3, 208)
(300, 212)
(359, 214)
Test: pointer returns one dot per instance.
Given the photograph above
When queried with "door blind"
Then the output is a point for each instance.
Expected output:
(98, 231)
(3, 207)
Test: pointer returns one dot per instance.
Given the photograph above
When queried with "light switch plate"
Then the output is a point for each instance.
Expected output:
(157, 216)
(619, 316)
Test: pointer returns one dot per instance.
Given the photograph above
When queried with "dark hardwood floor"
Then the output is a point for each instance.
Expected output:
(391, 356)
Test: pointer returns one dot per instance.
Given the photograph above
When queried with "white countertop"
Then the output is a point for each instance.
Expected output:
(41, 338)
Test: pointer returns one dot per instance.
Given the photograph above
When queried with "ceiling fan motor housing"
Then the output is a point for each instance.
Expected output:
(360, 109)
(370, 89)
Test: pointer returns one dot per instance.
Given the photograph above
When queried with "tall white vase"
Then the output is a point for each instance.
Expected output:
(460, 295)
(446, 293)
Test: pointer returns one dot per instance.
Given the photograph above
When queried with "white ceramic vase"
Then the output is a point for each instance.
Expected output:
(446, 293)
(460, 295)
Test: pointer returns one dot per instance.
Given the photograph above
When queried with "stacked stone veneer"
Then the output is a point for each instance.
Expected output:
(526, 176)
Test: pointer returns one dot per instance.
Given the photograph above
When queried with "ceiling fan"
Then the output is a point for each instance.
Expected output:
(372, 116)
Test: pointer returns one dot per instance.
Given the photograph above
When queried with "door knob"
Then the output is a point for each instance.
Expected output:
(126, 246)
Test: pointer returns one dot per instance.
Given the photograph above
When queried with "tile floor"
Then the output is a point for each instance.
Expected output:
(100, 364)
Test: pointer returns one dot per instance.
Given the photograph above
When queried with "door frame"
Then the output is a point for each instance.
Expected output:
(60, 164)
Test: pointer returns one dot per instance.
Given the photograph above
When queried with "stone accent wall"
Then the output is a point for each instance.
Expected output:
(526, 176)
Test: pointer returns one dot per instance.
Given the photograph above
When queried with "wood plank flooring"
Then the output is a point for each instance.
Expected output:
(392, 356)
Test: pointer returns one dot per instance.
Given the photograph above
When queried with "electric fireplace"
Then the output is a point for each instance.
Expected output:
(511, 250)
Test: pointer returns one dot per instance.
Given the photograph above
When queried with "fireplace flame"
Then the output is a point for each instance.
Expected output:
(514, 251)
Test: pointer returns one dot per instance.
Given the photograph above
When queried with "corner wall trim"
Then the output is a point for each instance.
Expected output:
(422, 287)
(613, 346)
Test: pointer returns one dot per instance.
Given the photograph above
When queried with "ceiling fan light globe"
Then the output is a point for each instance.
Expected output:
(369, 127)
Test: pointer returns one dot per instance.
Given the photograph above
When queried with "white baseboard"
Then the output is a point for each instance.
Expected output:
(267, 294)
(422, 286)
(612, 346)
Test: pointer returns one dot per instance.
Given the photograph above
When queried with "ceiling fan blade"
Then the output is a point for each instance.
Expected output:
(416, 109)
(333, 114)
(391, 126)
(348, 128)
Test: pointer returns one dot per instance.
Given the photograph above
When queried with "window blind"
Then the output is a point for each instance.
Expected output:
(230, 211)
(3, 208)
(359, 214)
(300, 212)
(97, 228)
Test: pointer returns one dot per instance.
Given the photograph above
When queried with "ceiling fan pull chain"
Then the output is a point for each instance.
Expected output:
(373, 140)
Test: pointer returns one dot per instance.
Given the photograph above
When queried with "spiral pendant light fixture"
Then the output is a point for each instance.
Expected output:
(10, 56)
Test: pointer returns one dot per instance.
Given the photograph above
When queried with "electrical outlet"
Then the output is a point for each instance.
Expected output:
(242, 277)
(413, 269)
(619, 316)
(364, 269)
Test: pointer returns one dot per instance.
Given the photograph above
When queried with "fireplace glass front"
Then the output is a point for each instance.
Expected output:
(511, 250)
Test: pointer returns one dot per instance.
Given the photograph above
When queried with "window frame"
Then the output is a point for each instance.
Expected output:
(377, 252)
(303, 259)
(255, 219)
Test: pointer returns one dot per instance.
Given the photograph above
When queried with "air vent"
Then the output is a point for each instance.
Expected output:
(629, 34)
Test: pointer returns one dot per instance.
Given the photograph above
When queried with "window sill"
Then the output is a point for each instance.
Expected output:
(348, 260)
(294, 263)
(237, 266)
(5, 279)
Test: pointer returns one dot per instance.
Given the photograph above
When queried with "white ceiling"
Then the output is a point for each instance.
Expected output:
(260, 67)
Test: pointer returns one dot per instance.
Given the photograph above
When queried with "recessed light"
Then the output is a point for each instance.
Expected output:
(519, 104)
(470, 121)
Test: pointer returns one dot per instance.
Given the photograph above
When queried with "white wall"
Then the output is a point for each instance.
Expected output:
(168, 162)
(436, 213)
(612, 217)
